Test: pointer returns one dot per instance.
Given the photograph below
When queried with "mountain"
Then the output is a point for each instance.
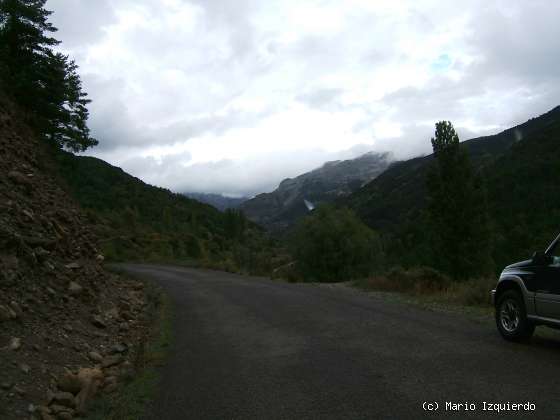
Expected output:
(221, 202)
(294, 197)
(399, 193)
(520, 167)
(137, 221)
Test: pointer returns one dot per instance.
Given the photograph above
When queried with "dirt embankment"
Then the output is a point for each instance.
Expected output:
(68, 329)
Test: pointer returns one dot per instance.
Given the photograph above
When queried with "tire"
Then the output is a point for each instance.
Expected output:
(511, 317)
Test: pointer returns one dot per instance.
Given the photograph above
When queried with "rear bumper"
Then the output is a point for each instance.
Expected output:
(493, 297)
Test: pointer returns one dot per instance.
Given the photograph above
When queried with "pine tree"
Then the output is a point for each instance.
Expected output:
(457, 208)
(44, 83)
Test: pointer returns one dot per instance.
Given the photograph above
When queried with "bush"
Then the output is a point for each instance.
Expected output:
(418, 281)
(474, 292)
(333, 244)
(425, 281)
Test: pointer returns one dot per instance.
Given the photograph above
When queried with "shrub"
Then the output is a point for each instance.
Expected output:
(333, 244)
(418, 281)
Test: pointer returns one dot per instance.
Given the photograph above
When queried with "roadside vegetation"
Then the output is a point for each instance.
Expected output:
(139, 222)
(429, 284)
(133, 399)
(453, 249)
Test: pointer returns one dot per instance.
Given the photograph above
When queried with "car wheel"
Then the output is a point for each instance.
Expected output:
(511, 317)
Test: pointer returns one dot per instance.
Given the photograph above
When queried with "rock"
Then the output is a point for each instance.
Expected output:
(19, 178)
(28, 214)
(6, 386)
(100, 258)
(45, 413)
(25, 368)
(91, 379)
(62, 412)
(112, 313)
(111, 361)
(97, 321)
(20, 391)
(15, 343)
(73, 266)
(65, 415)
(138, 286)
(74, 288)
(5, 313)
(16, 308)
(110, 380)
(69, 383)
(95, 357)
(86, 375)
(119, 348)
(64, 398)
(31, 408)
(41, 253)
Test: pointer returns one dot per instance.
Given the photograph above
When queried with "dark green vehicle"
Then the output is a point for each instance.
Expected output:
(528, 295)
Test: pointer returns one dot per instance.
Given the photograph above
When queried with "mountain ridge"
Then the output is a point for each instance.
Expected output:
(282, 207)
(399, 192)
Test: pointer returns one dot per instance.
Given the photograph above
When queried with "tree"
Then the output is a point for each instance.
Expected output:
(457, 209)
(333, 244)
(44, 83)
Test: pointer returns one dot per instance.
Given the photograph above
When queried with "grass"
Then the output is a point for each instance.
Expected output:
(133, 399)
(431, 290)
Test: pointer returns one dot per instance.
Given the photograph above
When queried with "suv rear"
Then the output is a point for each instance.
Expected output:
(528, 294)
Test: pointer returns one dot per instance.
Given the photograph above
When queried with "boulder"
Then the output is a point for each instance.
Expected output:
(73, 266)
(119, 348)
(91, 380)
(15, 343)
(5, 314)
(65, 399)
(24, 367)
(95, 357)
(111, 361)
(14, 306)
(69, 383)
(97, 321)
(74, 288)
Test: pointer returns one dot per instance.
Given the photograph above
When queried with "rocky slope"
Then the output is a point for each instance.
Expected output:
(67, 328)
(295, 197)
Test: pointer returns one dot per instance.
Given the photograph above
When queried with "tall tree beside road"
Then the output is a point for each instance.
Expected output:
(457, 209)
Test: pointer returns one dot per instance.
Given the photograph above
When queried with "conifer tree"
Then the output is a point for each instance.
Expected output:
(457, 208)
(44, 83)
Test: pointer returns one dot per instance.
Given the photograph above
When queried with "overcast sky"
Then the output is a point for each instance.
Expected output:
(232, 96)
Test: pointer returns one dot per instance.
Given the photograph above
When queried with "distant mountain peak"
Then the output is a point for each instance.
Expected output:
(295, 197)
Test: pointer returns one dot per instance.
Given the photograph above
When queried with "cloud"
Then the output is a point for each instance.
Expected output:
(241, 177)
(232, 97)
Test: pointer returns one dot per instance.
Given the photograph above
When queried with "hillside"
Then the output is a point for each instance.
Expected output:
(221, 202)
(139, 222)
(399, 193)
(524, 194)
(520, 167)
(60, 312)
(294, 196)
